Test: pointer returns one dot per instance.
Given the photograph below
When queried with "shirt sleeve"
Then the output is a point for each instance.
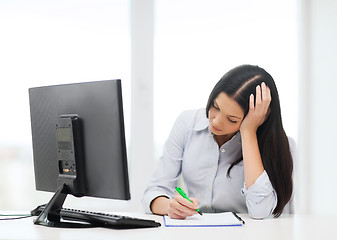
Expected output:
(164, 180)
(261, 198)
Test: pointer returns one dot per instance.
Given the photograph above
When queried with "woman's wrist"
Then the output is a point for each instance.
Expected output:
(247, 132)
(160, 205)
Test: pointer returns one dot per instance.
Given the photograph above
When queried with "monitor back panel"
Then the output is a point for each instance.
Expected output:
(99, 105)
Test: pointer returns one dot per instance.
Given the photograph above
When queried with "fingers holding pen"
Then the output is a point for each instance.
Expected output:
(186, 206)
(181, 208)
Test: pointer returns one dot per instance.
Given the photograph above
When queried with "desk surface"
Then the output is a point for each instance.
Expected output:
(296, 226)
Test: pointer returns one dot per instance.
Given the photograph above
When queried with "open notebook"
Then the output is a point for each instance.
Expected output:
(225, 219)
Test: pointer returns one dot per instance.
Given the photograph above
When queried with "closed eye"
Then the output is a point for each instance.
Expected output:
(232, 120)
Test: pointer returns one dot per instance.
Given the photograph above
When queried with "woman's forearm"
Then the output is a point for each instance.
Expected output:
(252, 161)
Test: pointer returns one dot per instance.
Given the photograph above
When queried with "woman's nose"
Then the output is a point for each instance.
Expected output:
(216, 120)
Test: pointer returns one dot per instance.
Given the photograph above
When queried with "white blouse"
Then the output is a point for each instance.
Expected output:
(191, 151)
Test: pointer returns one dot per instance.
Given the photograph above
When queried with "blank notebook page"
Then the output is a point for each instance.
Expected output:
(206, 220)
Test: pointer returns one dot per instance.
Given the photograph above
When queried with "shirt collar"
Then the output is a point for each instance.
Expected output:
(202, 122)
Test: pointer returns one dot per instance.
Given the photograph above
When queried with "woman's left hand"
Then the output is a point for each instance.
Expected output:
(259, 111)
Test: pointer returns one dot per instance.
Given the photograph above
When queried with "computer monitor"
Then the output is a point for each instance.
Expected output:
(78, 143)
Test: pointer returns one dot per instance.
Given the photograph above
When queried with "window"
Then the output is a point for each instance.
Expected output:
(196, 42)
(45, 43)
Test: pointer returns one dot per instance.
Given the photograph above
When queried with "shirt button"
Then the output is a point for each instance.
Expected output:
(223, 150)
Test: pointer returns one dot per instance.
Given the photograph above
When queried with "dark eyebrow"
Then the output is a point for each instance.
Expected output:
(232, 116)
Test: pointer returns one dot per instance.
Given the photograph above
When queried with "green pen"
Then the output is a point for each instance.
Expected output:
(183, 194)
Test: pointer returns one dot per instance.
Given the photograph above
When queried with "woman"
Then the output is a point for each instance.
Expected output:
(235, 156)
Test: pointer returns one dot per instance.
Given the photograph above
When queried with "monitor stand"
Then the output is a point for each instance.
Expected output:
(51, 217)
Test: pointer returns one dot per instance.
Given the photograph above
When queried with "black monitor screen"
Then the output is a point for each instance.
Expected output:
(103, 163)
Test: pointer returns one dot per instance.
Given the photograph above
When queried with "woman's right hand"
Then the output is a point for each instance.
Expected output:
(180, 208)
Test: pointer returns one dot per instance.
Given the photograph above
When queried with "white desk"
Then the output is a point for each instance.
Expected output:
(287, 227)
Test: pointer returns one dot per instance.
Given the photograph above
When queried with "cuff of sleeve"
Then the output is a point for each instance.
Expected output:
(261, 198)
(261, 187)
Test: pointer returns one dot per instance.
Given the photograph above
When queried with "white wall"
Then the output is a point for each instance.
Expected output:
(49, 42)
(53, 42)
(205, 39)
(141, 139)
(317, 164)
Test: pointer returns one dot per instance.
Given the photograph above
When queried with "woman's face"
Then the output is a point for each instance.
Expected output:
(225, 115)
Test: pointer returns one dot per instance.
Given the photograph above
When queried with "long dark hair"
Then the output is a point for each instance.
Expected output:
(238, 84)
